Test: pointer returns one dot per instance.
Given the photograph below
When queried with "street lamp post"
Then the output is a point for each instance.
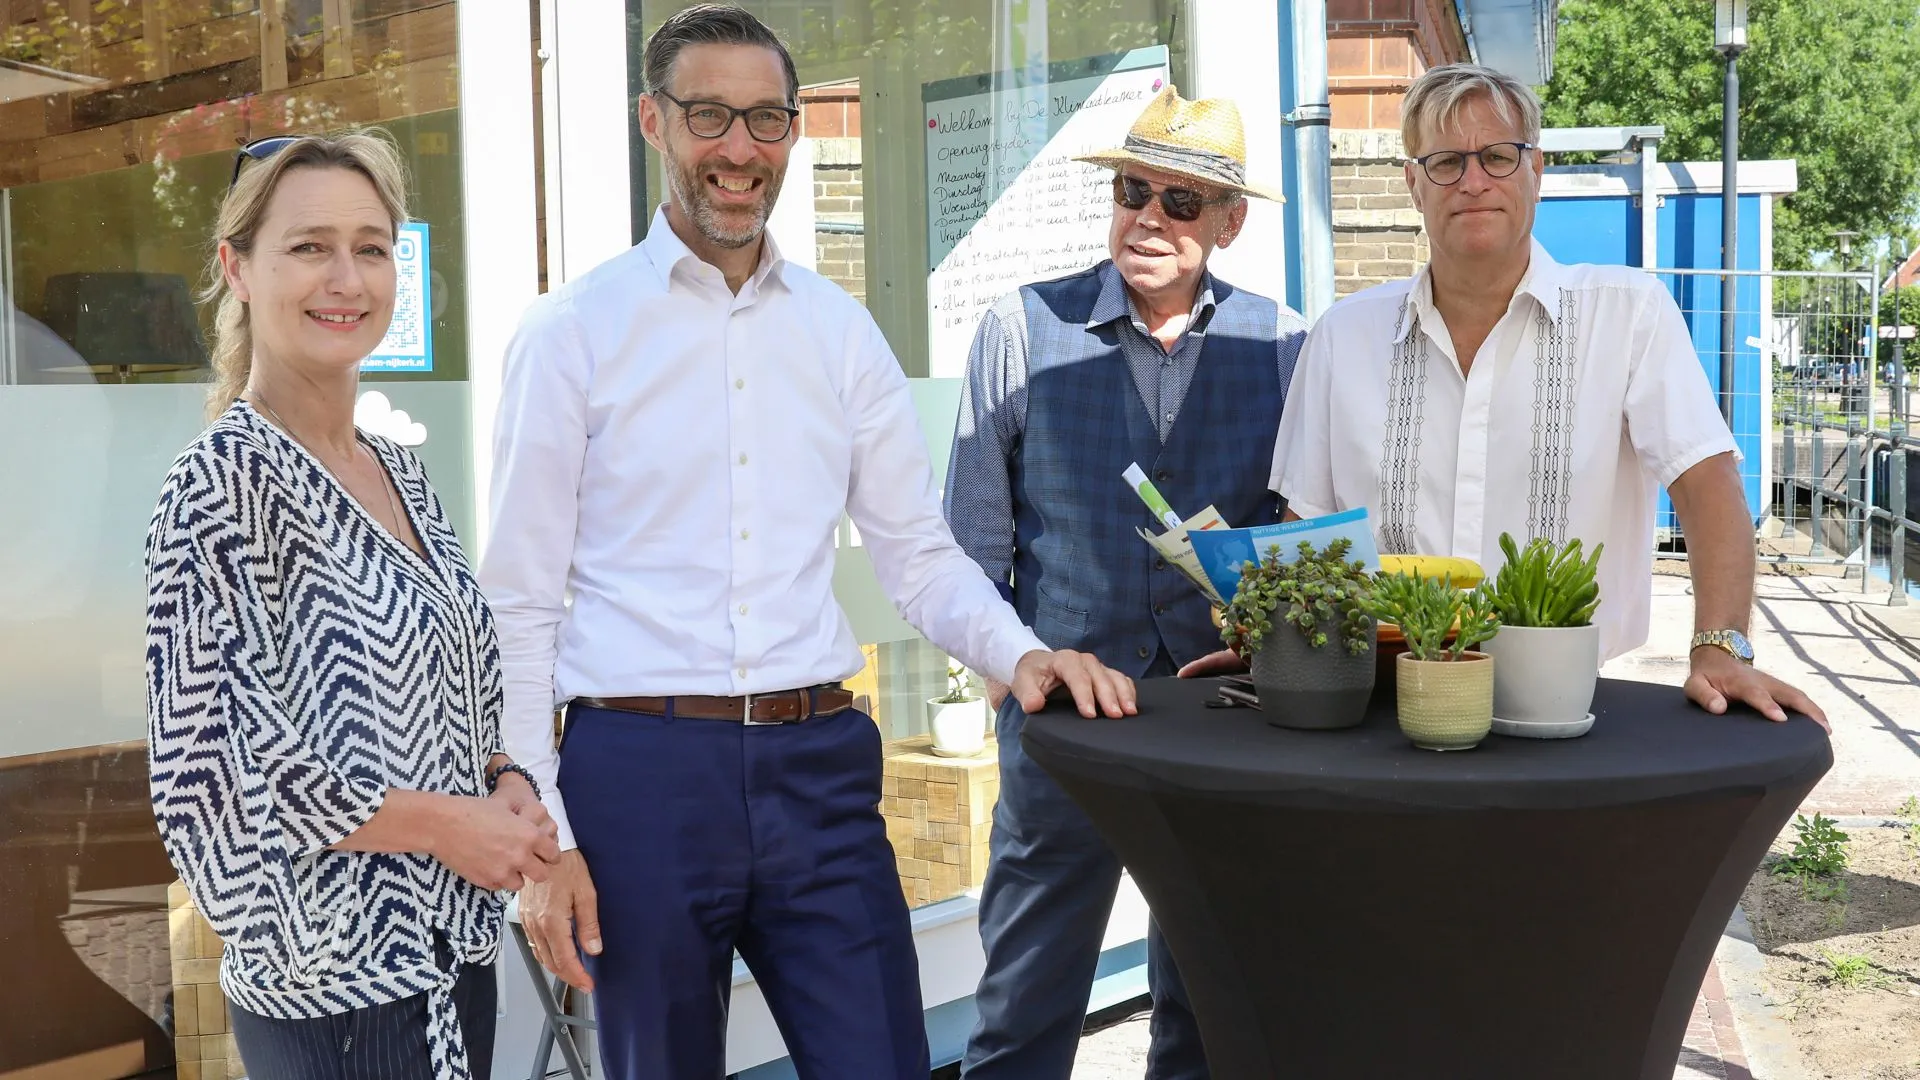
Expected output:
(1729, 40)
(1898, 384)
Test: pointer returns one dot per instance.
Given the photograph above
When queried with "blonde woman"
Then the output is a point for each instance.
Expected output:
(324, 686)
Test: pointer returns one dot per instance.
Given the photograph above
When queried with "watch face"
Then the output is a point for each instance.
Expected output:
(1742, 648)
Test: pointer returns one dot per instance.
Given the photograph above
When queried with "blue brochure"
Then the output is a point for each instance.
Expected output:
(1222, 552)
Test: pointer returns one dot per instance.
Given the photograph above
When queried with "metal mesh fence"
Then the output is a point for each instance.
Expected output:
(1820, 413)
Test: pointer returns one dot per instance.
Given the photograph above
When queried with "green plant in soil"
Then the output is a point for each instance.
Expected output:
(1820, 850)
(1546, 584)
(1909, 818)
(1426, 609)
(1853, 970)
(958, 690)
(1316, 590)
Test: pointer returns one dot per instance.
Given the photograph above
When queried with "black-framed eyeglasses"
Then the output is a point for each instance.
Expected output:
(1446, 167)
(1181, 204)
(259, 150)
(712, 119)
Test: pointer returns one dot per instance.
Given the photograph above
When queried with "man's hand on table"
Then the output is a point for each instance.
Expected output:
(1716, 679)
(1224, 662)
(1096, 688)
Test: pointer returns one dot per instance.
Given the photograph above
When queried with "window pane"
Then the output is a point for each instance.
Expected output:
(119, 120)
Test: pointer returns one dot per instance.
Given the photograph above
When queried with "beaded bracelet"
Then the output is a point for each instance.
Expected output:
(493, 778)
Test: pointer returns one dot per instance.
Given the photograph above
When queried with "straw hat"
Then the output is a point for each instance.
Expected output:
(1202, 140)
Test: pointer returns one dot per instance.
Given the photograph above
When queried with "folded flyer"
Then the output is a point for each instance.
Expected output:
(1222, 553)
(1174, 545)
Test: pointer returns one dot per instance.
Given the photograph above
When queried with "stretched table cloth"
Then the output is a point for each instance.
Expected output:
(1343, 905)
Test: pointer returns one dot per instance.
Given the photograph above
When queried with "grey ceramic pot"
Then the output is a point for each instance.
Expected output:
(1312, 689)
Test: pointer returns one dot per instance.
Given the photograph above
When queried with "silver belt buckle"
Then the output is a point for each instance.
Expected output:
(746, 714)
(802, 710)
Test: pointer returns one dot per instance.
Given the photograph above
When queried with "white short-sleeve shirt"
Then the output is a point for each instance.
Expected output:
(1586, 395)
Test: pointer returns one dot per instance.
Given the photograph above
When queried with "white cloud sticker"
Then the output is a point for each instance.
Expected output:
(374, 413)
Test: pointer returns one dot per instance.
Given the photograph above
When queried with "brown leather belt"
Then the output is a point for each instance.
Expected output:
(777, 707)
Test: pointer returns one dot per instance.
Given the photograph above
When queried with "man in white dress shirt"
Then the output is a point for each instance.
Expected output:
(681, 431)
(1499, 391)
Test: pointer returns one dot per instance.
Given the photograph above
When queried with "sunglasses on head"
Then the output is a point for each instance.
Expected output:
(259, 150)
(1181, 204)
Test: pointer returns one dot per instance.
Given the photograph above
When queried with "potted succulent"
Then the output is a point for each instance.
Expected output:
(1304, 629)
(1445, 691)
(1548, 651)
(958, 718)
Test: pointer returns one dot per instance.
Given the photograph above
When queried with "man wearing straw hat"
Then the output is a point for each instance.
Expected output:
(1145, 358)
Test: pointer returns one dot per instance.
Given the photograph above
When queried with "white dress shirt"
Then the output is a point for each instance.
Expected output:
(1586, 395)
(671, 464)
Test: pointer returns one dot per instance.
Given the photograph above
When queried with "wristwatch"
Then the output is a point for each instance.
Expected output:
(1733, 641)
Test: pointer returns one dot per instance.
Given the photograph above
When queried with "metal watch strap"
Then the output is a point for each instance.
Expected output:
(1719, 639)
(493, 777)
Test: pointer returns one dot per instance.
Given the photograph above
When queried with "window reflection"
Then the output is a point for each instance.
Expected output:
(118, 124)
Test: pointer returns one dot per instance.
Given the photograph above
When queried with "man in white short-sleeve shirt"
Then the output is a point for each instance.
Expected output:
(1500, 391)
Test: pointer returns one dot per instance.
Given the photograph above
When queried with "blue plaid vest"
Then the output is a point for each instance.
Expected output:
(1082, 578)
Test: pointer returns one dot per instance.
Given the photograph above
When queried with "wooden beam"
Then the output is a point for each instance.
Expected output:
(339, 38)
(210, 44)
(154, 14)
(176, 93)
(273, 45)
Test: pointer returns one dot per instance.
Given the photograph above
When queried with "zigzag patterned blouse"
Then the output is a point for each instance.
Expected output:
(301, 661)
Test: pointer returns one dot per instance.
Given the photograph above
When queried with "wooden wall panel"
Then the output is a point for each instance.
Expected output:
(234, 75)
(153, 19)
(213, 42)
(25, 119)
(416, 35)
(273, 45)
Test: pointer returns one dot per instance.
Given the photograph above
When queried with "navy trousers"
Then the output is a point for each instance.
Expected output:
(705, 837)
(1051, 882)
(378, 1042)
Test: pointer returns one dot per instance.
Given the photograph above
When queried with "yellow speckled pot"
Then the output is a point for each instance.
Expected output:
(1445, 704)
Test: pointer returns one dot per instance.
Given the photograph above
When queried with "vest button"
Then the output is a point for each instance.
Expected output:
(1163, 475)
(1145, 652)
(1159, 609)
(1159, 564)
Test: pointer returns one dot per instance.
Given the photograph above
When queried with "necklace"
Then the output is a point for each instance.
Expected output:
(386, 483)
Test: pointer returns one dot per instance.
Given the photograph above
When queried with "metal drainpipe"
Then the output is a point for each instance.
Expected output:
(1313, 154)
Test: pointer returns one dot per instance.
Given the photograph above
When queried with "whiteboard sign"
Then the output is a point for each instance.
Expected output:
(1006, 204)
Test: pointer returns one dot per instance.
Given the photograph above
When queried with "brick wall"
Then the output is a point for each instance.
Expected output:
(839, 200)
(1375, 49)
(1377, 234)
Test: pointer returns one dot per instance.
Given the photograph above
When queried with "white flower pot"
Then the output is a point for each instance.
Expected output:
(1544, 674)
(959, 727)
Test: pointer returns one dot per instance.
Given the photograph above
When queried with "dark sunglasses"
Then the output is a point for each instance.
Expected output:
(259, 150)
(1181, 204)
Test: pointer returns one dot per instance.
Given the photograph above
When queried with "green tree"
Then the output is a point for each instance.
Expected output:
(1909, 309)
(1833, 84)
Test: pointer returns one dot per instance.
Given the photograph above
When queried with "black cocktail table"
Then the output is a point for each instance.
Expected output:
(1343, 905)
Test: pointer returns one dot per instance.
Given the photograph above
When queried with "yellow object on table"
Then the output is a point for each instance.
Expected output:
(1465, 573)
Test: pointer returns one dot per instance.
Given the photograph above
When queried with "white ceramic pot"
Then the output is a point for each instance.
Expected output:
(1544, 674)
(959, 727)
